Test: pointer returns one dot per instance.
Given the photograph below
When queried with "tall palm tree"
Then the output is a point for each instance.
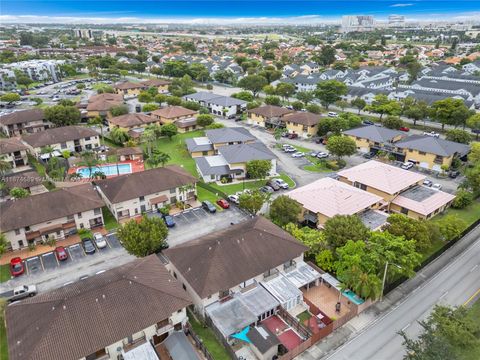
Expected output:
(4, 165)
(149, 137)
(158, 158)
(48, 150)
(90, 161)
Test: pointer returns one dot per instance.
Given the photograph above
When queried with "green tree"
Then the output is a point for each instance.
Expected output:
(358, 103)
(169, 130)
(352, 119)
(284, 210)
(458, 135)
(463, 198)
(285, 90)
(258, 169)
(97, 121)
(4, 165)
(341, 146)
(474, 155)
(18, 193)
(305, 96)
(267, 89)
(272, 100)
(145, 237)
(326, 56)
(253, 83)
(183, 86)
(418, 111)
(314, 108)
(473, 177)
(312, 238)
(451, 226)
(326, 260)
(10, 97)
(330, 91)
(393, 122)
(149, 107)
(23, 79)
(174, 100)
(148, 137)
(61, 115)
(145, 97)
(341, 228)
(3, 244)
(383, 106)
(418, 230)
(473, 122)
(297, 105)
(252, 202)
(161, 98)
(192, 105)
(244, 95)
(449, 111)
(119, 136)
(119, 110)
(89, 159)
(204, 120)
(158, 158)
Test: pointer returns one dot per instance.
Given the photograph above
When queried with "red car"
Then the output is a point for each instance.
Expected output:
(16, 266)
(61, 253)
(404, 128)
(223, 203)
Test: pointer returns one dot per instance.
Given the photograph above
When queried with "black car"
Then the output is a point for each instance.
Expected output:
(88, 246)
(369, 155)
(453, 174)
(207, 205)
(368, 122)
(168, 220)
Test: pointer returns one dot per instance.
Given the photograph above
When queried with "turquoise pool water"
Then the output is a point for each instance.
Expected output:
(353, 297)
(108, 170)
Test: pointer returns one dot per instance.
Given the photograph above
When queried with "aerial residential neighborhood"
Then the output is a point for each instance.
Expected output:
(202, 180)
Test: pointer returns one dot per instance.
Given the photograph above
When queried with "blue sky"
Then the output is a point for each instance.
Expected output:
(301, 10)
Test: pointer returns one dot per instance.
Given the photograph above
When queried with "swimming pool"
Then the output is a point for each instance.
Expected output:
(108, 170)
(353, 297)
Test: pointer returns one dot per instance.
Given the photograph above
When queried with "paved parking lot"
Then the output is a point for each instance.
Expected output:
(194, 223)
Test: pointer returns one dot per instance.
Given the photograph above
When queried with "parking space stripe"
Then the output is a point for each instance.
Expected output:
(41, 262)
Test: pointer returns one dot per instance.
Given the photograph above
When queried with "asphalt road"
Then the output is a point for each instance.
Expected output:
(453, 285)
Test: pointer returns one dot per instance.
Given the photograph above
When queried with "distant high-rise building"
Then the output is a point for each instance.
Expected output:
(357, 23)
(83, 33)
(396, 20)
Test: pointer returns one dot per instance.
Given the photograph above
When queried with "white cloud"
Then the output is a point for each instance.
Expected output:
(401, 5)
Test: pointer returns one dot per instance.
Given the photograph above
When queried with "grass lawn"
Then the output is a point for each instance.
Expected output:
(177, 150)
(3, 332)
(110, 222)
(287, 179)
(215, 348)
(109, 143)
(469, 353)
(234, 188)
(4, 273)
(317, 166)
(470, 214)
(304, 316)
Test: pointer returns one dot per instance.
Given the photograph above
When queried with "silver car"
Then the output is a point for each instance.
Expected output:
(99, 240)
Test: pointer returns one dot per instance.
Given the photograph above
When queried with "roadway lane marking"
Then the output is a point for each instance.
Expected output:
(471, 297)
(443, 295)
(405, 327)
(473, 268)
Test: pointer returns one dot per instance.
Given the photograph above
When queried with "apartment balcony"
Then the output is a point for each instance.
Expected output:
(164, 326)
(135, 343)
(290, 267)
(271, 275)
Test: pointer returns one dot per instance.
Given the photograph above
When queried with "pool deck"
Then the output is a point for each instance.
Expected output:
(137, 166)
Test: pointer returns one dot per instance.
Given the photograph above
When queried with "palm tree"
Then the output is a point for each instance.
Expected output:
(149, 137)
(158, 158)
(4, 165)
(90, 161)
(95, 122)
(48, 150)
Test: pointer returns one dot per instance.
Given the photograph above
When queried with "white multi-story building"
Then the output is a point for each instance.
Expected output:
(357, 23)
(37, 70)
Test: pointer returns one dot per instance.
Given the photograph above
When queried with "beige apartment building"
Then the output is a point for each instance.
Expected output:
(14, 152)
(23, 122)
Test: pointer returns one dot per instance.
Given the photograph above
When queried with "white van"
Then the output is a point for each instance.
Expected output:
(332, 114)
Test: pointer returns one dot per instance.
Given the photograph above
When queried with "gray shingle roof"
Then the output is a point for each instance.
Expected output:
(193, 145)
(229, 134)
(207, 169)
(240, 153)
(433, 145)
(374, 133)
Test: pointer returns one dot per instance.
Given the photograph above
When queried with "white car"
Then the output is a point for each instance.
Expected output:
(99, 240)
(234, 199)
(431, 133)
(298, 154)
(332, 114)
(290, 150)
(407, 165)
(281, 183)
(436, 186)
(322, 155)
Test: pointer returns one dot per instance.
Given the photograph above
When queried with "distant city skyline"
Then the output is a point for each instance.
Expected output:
(231, 12)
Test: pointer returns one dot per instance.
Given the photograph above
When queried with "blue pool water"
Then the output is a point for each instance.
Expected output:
(108, 170)
(353, 297)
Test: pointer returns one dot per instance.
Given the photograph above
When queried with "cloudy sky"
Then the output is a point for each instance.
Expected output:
(229, 12)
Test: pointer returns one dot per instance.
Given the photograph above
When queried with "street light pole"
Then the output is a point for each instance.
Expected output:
(383, 281)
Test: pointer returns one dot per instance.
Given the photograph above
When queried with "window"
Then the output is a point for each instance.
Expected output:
(17, 231)
(136, 210)
(97, 211)
(204, 153)
(173, 191)
(27, 228)
(81, 226)
(87, 138)
(79, 215)
(422, 152)
(223, 293)
(70, 217)
(404, 211)
(142, 198)
(58, 233)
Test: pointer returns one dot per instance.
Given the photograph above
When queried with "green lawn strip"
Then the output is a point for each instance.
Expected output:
(177, 151)
(304, 316)
(5, 273)
(287, 179)
(3, 332)
(470, 214)
(110, 221)
(471, 353)
(106, 141)
(214, 347)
